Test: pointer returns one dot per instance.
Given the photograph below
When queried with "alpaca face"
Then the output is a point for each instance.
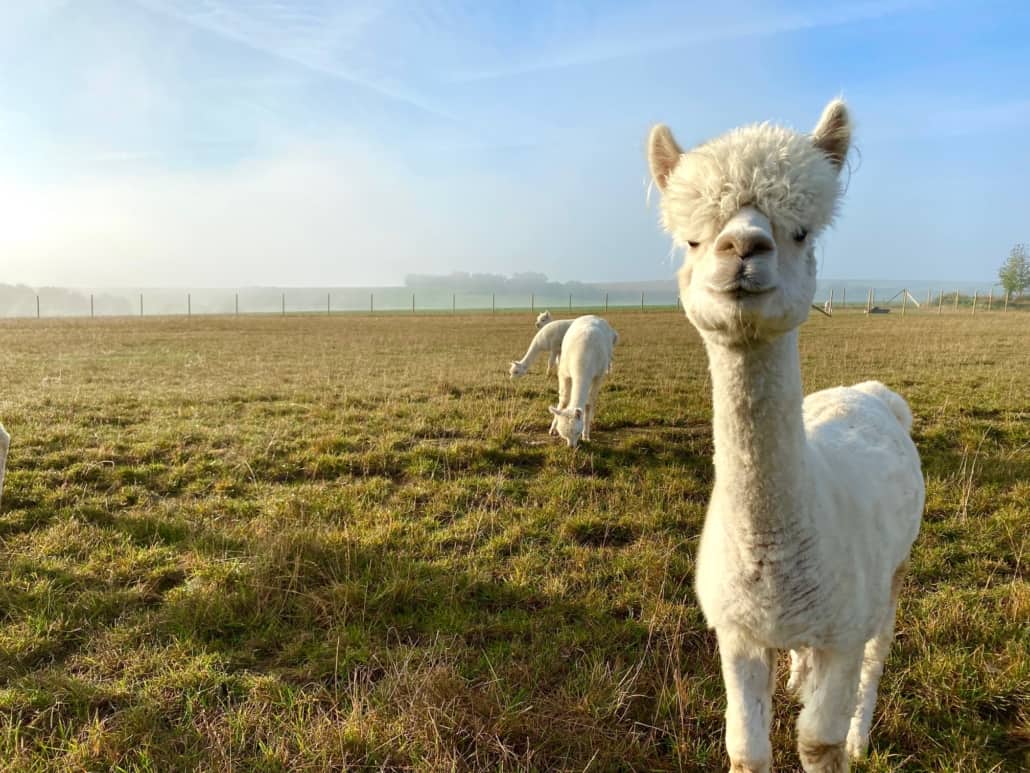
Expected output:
(747, 207)
(542, 319)
(748, 283)
(517, 369)
(569, 424)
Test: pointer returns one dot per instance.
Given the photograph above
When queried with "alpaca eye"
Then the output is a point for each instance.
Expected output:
(692, 245)
(800, 235)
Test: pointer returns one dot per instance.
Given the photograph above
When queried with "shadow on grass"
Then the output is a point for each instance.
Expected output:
(466, 669)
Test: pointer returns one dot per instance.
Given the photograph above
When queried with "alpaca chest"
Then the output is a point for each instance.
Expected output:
(776, 592)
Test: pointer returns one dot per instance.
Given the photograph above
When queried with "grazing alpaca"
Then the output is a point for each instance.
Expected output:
(816, 502)
(548, 339)
(543, 318)
(585, 361)
(5, 443)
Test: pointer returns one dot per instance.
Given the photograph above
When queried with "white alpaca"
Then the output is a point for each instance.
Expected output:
(816, 502)
(5, 443)
(548, 339)
(585, 362)
(543, 318)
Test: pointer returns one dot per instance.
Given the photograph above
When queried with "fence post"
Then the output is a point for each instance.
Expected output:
(91, 305)
(956, 300)
(975, 294)
(904, 301)
(990, 299)
(328, 304)
(641, 301)
(237, 304)
(371, 303)
(493, 303)
(37, 306)
(570, 303)
(940, 303)
(454, 303)
(532, 302)
(189, 306)
(869, 301)
(141, 304)
(606, 303)
(284, 304)
(843, 297)
(1006, 300)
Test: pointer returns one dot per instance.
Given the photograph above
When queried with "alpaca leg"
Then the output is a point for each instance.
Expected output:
(591, 410)
(588, 411)
(5, 443)
(747, 671)
(800, 665)
(552, 362)
(875, 654)
(829, 696)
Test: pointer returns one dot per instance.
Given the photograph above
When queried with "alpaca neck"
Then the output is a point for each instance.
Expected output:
(536, 347)
(759, 437)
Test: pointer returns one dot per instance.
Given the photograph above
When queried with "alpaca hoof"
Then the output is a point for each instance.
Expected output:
(823, 757)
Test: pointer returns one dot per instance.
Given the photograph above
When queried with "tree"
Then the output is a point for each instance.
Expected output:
(1015, 272)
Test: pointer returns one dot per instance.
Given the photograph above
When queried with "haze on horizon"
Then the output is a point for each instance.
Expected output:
(217, 144)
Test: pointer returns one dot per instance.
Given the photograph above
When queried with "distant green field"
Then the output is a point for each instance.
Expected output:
(311, 543)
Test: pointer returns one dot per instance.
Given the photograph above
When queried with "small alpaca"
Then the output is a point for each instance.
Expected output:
(548, 339)
(5, 444)
(585, 362)
(816, 501)
(543, 318)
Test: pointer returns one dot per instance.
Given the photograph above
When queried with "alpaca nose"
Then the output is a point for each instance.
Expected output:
(744, 244)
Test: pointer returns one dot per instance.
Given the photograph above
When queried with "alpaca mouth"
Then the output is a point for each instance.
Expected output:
(741, 288)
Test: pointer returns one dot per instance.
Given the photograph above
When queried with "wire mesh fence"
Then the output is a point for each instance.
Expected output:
(60, 302)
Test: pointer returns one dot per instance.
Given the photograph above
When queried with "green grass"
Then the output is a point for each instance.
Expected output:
(308, 543)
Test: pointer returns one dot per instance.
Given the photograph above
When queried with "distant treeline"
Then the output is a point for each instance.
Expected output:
(519, 283)
(20, 301)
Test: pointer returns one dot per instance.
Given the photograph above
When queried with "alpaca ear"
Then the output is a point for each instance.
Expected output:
(554, 409)
(579, 413)
(832, 134)
(662, 154)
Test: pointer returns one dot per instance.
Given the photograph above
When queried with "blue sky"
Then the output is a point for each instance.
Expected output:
(213, 143)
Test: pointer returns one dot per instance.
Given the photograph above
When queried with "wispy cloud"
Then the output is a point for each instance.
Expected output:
(323, 40)
(118, 156)
(615, 39)
(905, 118)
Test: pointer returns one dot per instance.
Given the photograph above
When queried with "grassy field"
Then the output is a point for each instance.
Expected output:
(317, 543)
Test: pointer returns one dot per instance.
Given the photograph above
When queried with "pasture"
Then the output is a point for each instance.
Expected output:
(312, 543)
